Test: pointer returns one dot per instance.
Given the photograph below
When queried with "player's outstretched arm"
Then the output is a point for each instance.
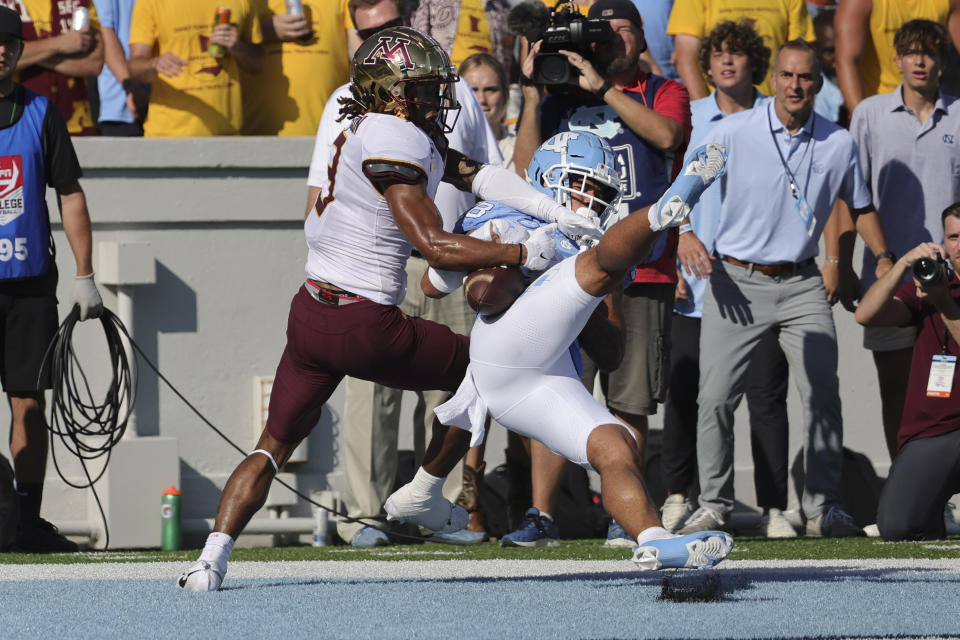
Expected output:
(496, 184)
(418, 218)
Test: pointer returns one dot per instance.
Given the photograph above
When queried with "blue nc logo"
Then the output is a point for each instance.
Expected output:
(947, 138)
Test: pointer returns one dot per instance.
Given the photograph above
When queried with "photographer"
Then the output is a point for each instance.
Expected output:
(926, 469)
(646, 119)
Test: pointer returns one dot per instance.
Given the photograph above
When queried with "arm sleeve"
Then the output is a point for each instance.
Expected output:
(907, 294)
(860, 130)
(854, 190)
(687, 16)
(58, 152)
(445, 281)
(143, 23)
(509, 189)
(800, 25)
(394, 153)
(106, 14)
(673, 101)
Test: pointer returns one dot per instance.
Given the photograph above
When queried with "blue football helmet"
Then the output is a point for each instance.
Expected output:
(563, 165)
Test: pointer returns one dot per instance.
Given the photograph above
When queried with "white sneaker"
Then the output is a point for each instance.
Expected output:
(433, 512)
(675, 511)
(775, 525)
(950, 520)
(872, 531)
(704, 519)
(201, 576)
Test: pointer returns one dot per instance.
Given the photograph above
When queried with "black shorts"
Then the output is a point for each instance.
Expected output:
(28, 322)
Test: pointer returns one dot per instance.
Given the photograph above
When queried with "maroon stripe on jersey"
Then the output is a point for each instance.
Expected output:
(364, 340)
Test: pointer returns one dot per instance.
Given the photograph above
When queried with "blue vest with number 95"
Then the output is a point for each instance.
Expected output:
(24, 220)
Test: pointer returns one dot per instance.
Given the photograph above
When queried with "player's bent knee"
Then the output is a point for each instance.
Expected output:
(612, 445)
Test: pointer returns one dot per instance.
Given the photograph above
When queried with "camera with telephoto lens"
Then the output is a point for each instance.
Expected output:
(561, 28)
(930, 271)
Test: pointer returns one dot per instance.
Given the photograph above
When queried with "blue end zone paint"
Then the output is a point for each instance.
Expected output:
(818, 602)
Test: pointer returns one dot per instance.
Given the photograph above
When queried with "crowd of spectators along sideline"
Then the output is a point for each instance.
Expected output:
(183, 68)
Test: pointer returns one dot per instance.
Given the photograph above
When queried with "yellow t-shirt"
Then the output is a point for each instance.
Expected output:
(473, 32)
(879, 72)
(205, 99)
(776, 21)
(288, 96)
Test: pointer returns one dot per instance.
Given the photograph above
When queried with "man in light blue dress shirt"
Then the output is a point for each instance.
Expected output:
(734, 58)
(787, 166)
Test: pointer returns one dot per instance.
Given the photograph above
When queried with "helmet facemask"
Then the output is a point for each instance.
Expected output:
(570, 180)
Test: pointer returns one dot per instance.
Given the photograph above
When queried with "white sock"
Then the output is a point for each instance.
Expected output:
(653, 533)
(544, 514)
(426, 484)
(217, 550)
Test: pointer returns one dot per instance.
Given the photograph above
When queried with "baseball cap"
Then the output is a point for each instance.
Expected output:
(611, 9)
(10, 22)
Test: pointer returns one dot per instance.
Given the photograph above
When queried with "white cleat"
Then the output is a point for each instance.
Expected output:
(432, 512)
(201, 576)
(709, 163)
(700, 550)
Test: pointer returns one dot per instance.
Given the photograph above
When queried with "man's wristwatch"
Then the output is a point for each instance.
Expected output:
(129, 85)
(890, 255)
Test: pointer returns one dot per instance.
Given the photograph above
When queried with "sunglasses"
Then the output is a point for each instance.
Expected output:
(366, 33)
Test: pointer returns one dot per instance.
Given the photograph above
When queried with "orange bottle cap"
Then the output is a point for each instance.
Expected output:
(171, 491)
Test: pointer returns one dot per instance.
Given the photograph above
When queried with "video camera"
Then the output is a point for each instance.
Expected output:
(561, 28)
(930, 271)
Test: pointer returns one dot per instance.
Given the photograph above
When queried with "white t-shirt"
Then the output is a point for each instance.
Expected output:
(353, 239)
(471, 136)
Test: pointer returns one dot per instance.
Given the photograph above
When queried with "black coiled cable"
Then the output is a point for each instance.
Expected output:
(89, 428)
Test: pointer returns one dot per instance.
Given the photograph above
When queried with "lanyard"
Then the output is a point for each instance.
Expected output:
(794, 183)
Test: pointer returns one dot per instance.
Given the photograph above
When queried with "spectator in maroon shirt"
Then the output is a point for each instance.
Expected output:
(926, 469)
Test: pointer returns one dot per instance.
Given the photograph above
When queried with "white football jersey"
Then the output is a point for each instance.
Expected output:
(353, 240)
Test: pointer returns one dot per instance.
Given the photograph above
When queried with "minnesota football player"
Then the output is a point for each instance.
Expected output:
(383, 174)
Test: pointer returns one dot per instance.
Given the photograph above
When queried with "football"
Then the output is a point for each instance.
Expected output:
(492, 291)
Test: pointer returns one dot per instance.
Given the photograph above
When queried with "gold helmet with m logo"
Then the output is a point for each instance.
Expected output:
(406, 73)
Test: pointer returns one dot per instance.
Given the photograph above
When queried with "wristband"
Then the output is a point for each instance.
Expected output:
(685, 228)
(526, 82)
(606, 86)
(832, 259)
(520, 256)
(889, 255)
(129, 85)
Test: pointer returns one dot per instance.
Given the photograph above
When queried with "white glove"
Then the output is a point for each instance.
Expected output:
(541, 248)
(86, 296)
(579, 226)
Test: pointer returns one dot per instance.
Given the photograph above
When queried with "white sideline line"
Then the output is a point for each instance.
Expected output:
(426, 570)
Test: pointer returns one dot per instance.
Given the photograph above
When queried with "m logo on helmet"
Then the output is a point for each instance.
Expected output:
(393, 49)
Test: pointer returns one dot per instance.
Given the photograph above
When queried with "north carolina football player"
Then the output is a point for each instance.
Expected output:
(383, 175)
(521, 368)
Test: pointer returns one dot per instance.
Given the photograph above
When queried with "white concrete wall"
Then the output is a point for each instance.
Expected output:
(223, 219)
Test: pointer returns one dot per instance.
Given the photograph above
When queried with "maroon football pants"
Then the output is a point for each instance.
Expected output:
(364, 340)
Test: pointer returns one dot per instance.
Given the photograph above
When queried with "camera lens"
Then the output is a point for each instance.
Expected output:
(928, 271)
(552, 68)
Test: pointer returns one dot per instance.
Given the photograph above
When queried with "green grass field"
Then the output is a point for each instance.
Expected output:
(746, 549)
